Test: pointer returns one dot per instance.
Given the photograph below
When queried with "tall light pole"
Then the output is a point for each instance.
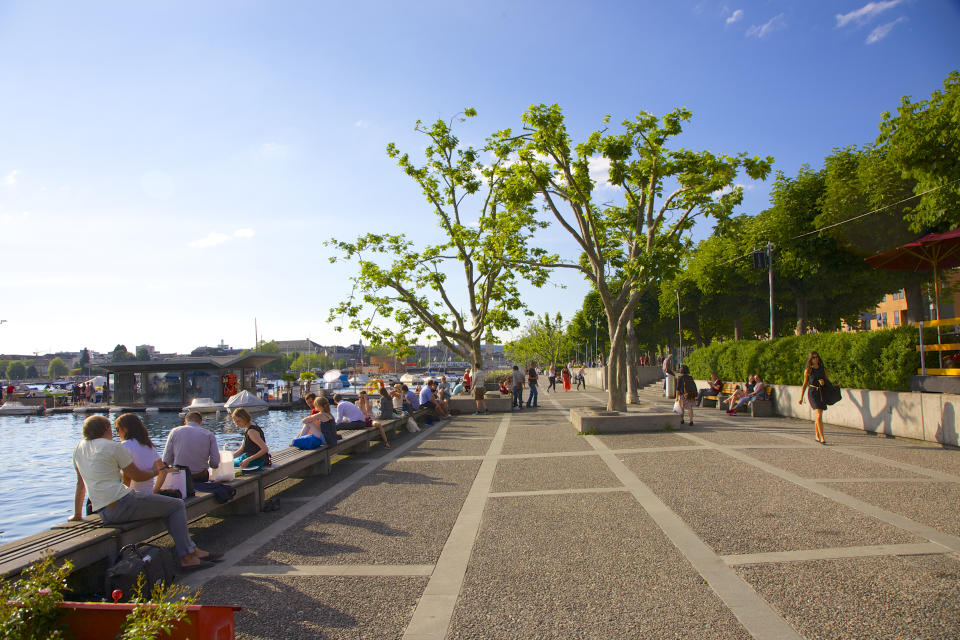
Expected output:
(679, 331)
(770, 276)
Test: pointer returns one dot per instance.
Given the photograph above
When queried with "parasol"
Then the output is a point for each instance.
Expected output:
(331, 376)
(936, 251)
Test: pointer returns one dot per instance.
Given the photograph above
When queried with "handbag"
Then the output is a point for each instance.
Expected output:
(176, 480)
(155, 564)
(830, 393)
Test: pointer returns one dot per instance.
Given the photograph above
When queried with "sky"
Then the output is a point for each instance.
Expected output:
(169, 171)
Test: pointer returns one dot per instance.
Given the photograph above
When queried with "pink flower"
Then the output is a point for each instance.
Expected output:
(45, 592)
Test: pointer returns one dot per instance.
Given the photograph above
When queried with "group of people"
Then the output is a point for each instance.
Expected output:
(688, 396)
(566, 377)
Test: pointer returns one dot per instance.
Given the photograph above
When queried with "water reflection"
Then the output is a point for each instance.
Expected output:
(37, 479)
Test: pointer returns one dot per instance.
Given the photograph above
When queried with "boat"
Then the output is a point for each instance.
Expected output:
(17, 408)
(410, 378)
(203, 405)
(359, 380)
(246, 400)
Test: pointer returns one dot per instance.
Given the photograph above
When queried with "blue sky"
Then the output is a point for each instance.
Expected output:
(170, 170)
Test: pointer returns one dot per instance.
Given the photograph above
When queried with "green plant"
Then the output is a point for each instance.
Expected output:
(30, 607)
(308, 375)
(157, 613)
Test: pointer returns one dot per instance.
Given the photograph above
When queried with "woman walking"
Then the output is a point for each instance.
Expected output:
(815, 376)
(565, 375)
(552, 378)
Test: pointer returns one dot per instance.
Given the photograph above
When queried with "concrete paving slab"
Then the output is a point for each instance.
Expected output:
(944, 460)
(308, 608)
(446, 446)
(736, 508)
(825, 462)
(400, 514)
(931, 503)
(533, 474)
(642, 440)
(548, 436)
(916, 597)
(582, 566)
(734, 435)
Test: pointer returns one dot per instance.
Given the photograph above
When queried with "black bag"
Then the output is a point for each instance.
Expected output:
(830, 393)
(690, 388)
(156, 564)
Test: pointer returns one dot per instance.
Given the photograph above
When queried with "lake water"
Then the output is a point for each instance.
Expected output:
(37, 479)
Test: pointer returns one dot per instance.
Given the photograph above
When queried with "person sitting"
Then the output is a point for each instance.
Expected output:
(716, 385)
(310, 399)
(363, 403)
(397, 396)
(348, 415)
(136, 440)
(427, 401)
(759, 391)
(253, 453)
(319, 428)
(99, 462)
(193, 447)
(466, 380)
(503, 387)
(739, 393)
(412, 399)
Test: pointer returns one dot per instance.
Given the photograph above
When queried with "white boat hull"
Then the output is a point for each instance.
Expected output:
(16, 409)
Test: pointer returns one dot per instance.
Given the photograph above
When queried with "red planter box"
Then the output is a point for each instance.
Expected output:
(99, 620)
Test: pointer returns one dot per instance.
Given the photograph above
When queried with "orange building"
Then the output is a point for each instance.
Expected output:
(892, 310)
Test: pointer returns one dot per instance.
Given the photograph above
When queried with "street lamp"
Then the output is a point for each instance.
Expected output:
(679, 331)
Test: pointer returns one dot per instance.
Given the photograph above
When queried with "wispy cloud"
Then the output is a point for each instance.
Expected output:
(736, 16)
(883, 31)
(12, 178)
(866, 13)
(776, 23)
(210, 240)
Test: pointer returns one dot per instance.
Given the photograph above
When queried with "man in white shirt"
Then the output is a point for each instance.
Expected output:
(517, 379)
(348, 415)
(98, 461)
(479, 390)
(192, 446)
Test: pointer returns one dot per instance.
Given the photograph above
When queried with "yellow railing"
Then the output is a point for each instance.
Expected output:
(922, 348)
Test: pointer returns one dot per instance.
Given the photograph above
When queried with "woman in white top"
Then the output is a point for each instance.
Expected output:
(363, 403)
(135, 438)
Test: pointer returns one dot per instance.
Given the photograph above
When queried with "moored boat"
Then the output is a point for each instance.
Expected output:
(246, 400)
(17, 408)
(203, 405)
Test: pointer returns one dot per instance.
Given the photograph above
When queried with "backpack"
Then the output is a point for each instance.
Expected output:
(690, 388)
(155, 563)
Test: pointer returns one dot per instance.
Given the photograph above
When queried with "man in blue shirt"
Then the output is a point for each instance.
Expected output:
(412, 400)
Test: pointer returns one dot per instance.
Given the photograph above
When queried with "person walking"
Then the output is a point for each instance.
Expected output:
(686, 392)
(815, 376)
(667, 370)
(552, 378)
(532, 376)
(565, 376)
(580, 379)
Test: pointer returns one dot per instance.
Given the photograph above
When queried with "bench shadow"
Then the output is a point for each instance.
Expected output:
(396, 476)
(269, 599)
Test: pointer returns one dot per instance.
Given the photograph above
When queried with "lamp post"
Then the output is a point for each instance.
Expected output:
(679, 331)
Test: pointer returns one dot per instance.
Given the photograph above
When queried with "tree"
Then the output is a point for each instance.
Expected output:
(409, 287)
(84, 361)
(306, 361)
(923, 141)
(544, 340)
(280, 365)
(120, 354)
(57, 368)
(142, 354)
(626, 248)
(16, 370)
(31, 371)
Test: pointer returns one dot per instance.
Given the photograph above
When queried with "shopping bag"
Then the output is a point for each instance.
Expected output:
(412, 426)
(176, 480)
(677, 409)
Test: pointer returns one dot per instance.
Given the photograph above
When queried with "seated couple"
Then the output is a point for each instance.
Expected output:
(100, 463)
(321, 426)
(741, 397)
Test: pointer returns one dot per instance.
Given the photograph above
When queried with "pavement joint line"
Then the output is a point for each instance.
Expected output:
(550, 454)
(555, 492)
(759, 619)
(836, 553)
(232, 557)
(303, 570)
(912, 526)
(857, 480)
(434, 611)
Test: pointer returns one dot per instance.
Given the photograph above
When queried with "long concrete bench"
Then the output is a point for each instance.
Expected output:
(90, 540)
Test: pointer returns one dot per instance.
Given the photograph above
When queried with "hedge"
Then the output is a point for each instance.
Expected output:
(882, 359)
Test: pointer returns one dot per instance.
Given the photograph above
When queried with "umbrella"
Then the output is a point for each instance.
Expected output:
(935, 251)
(331, 376)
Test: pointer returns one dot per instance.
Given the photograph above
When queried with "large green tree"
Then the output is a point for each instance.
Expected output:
(923, 141)
(624, 248)
(544, 340)
(16, 370)
(57, 368)
(84, 361)
(460, 289)
(120, 354)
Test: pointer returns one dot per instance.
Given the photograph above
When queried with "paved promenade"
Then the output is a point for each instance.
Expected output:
(514, 526)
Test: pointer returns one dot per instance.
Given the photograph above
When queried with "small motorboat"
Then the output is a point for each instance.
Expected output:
(410, 378)
(17, 408)
(203, 405)
(246, 400)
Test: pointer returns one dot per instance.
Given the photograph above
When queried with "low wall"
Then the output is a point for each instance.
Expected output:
(596, 377)
(906, 414)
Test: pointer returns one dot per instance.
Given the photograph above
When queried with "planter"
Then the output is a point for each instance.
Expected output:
(98, 620)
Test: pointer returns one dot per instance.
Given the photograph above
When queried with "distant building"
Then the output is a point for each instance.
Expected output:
(220, 350)
(286, 347)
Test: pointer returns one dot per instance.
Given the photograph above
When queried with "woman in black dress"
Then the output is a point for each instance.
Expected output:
(814, 376)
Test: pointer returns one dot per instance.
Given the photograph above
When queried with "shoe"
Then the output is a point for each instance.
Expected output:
(212, 557)
(476, 413)
(682, 422)
(195, 567)
(485, 412)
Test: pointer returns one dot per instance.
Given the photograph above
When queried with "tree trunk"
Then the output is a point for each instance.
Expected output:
(616, 376)
(914, 296)
(801, 315)
(632, 357)
(737, 329)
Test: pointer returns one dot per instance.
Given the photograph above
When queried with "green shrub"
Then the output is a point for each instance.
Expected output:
(868, 360)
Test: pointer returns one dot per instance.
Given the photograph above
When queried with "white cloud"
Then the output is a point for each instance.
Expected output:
(600, 172)
(243, 233)
(776, 23)
(210, 240)
(866, 13)
(736, 16)
(883, 31)
(12, 178)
